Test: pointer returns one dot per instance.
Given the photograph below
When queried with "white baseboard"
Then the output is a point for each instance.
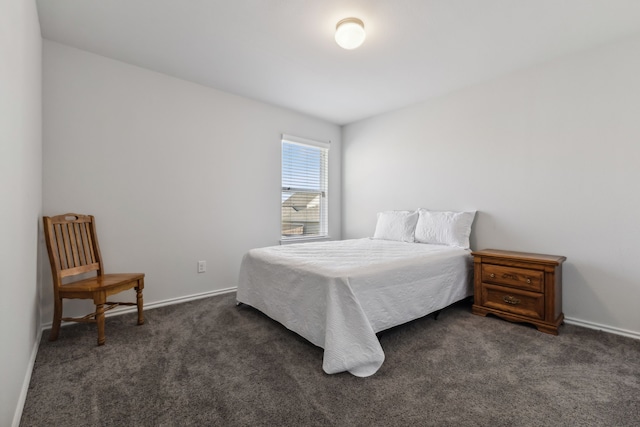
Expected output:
(179, 300)
(157, 304)
(604, 328)
(17, 416)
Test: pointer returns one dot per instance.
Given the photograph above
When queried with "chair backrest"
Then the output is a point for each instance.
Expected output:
(72, 244)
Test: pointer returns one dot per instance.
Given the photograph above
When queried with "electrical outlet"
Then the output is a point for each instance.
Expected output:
(202, 266)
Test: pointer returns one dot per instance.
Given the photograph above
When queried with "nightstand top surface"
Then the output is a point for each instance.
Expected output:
(525, 256)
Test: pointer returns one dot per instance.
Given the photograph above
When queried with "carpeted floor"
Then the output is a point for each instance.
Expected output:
(211, 363)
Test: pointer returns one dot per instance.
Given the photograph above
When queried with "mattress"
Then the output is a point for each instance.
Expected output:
(339, 294)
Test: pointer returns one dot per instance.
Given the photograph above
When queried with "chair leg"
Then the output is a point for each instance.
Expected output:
(100, 322)
(57, 319)
(139, 303)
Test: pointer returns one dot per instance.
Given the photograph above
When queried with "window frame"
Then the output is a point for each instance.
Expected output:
(323, 191)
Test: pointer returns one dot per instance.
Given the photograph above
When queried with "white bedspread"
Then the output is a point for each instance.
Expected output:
(338, 294)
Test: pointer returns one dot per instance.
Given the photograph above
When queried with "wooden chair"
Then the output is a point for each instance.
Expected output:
(73, 249)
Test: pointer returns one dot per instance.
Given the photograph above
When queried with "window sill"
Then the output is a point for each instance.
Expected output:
(292, 240)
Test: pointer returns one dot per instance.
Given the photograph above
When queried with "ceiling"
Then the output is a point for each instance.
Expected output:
(282, 52)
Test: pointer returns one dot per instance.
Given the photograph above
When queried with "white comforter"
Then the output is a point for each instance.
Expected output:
(338, 294)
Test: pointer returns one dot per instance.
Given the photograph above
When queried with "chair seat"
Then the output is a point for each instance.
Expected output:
(105, 282)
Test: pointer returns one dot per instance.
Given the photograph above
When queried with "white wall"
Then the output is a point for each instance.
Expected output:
(20, 200)
(174, 172)
(548, 156)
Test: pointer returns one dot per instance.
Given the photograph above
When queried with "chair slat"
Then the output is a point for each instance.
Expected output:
(60, 246)
(67, 246)
(85, 242)
(90, 243)
(78, 232)
(73, 246)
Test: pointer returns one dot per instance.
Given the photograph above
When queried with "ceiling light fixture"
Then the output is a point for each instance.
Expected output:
(350, 33)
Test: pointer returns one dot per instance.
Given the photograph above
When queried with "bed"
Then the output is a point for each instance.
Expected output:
(339, 294)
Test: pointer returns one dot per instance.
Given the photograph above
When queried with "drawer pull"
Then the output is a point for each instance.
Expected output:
(528, 280)
(493, 275)
(511, 300)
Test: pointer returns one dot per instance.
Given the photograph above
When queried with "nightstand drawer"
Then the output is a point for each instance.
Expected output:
(531, 280)
(514, 301)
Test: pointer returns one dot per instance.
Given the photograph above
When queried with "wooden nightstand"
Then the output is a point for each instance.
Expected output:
(520, 287)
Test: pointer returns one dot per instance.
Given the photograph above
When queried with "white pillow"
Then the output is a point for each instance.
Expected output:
(444, 228)
(396, 225)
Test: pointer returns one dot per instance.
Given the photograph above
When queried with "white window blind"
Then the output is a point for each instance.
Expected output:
(304, 188)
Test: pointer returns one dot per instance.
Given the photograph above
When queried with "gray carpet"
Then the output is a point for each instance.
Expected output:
(210, 363)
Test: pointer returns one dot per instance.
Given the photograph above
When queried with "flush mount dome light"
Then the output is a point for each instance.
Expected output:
(350, 33)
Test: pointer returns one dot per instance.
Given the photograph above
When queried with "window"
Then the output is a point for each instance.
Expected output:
(304, 188)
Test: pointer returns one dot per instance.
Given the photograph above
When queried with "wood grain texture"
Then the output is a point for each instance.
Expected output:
(72, 245)
(519, 287)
